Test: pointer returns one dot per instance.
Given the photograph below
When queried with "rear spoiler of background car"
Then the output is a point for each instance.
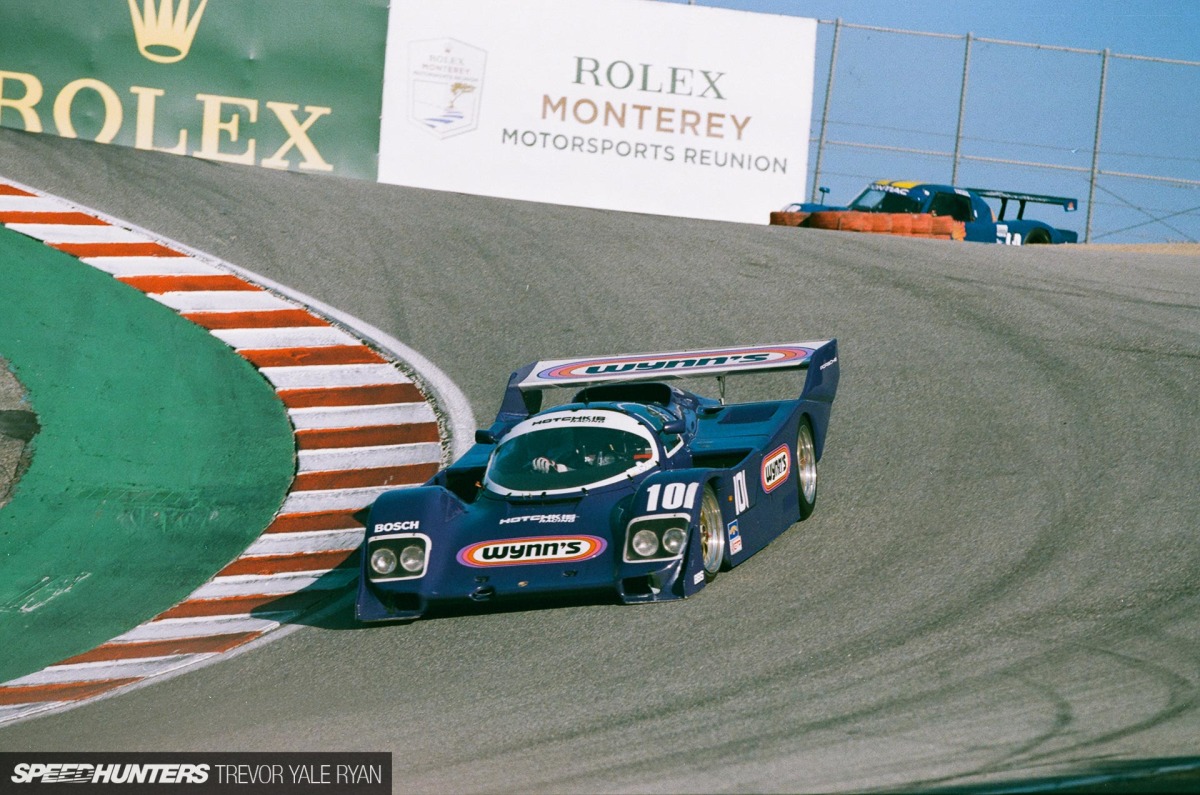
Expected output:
(523, 395)
(1067, 203)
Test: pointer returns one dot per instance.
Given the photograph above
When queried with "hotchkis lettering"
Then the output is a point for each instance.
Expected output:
(571, 418)
(542, 518)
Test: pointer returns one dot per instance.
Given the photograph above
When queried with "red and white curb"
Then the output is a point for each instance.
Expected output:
(367, 418)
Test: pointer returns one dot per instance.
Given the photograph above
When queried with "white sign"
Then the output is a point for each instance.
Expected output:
(616, 104)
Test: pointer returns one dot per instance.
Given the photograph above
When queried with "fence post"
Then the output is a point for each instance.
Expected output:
(1087, 234)
(962, 108)
(837, 32)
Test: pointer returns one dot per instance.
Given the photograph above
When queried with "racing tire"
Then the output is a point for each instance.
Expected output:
(711, 535)
(806, 469)
(1036, 237)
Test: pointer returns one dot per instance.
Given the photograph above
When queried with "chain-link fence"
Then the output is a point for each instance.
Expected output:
(1118, 132)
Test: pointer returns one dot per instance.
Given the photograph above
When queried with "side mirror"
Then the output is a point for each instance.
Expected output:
(484, 436)
(675, 426)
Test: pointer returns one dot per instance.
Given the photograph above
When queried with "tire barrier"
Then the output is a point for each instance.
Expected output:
(939, 227)
(784, 218)
(854, 221)
(825, 219)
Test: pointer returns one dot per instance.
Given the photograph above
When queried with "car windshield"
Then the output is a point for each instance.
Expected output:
(570, 452)
(875, 200)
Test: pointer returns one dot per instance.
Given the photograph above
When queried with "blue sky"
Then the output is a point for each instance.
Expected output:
(1023, 104)
(1159, 28)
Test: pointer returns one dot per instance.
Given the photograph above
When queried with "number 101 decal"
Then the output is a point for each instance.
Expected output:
(673, 496)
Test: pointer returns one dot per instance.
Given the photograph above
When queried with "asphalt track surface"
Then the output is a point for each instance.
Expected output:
(1001, 583)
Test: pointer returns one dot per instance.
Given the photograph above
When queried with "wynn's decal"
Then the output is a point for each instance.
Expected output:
(672, 364)
(776, 466)
(520, 551)
(698, 360)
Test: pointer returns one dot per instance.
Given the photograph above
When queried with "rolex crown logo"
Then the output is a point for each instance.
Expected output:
(165, 34)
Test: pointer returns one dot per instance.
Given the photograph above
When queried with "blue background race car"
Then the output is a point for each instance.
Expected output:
(966, 205)
(635, 489)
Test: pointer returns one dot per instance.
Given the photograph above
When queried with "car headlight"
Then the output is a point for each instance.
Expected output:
(383, 560)
(645, 543)
(673, 539)
(650, 538)
(412, 558)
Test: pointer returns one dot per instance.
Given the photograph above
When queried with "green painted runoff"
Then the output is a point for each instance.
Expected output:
(161, 455)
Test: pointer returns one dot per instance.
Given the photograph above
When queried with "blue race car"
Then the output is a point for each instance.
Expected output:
(635, 489)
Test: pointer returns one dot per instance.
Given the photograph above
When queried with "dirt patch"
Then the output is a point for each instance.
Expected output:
(18, 426)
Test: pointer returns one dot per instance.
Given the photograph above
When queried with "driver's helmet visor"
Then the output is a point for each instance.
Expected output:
(570, 450)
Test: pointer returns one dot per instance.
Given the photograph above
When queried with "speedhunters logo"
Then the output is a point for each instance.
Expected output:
(690, 362)
(253, 773)
(82, 773)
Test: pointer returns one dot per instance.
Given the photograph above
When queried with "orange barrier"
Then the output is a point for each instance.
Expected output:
(940, 227)
(852, 221)
(825, 219)
(782, 218)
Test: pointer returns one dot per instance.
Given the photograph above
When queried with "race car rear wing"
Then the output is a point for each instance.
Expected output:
(1067, 203)
(523, 395)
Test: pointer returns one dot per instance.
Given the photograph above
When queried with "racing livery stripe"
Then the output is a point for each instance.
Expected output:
(361, 426)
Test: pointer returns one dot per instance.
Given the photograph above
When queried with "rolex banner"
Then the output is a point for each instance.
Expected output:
(283, 84)
(634, 105)
(620, 104)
